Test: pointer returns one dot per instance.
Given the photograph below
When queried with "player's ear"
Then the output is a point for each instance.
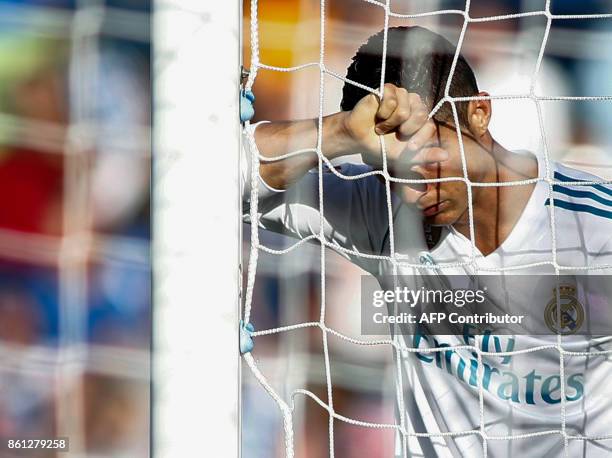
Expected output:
(479, 115)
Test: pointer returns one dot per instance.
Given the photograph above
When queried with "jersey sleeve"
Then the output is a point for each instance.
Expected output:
(354, 211)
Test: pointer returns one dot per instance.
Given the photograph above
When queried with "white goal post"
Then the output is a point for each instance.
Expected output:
(197, 236)
(196, 229)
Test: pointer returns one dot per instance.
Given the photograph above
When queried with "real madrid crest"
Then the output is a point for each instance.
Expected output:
(571, 313)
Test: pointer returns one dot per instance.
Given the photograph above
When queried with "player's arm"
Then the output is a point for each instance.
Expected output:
(401, 117)
(355, 210)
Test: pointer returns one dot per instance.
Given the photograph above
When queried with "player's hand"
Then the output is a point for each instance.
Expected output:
(424, 164)
(400, 117)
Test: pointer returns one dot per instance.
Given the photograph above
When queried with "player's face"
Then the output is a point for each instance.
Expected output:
(446, 203)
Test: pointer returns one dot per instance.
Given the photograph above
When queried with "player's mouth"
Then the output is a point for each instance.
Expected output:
(434, 209)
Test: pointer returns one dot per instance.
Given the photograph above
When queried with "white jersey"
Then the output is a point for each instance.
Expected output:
(521, 392)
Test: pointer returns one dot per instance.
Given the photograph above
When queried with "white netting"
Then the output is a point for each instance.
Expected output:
(398, 260)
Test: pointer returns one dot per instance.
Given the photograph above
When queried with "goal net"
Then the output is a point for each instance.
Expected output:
(540, 62)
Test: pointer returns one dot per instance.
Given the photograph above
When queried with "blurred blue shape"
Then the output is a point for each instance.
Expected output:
(46, 3)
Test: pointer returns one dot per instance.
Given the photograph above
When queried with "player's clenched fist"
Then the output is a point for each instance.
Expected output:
(401, 117)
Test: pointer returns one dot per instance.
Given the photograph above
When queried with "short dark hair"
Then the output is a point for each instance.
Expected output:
(418, 60)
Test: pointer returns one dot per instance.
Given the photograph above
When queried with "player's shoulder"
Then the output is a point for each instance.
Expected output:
(350, 169)
(581, 195)
(361, 175)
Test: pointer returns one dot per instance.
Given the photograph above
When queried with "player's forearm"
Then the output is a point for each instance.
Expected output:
(276, 139)
(400, 118)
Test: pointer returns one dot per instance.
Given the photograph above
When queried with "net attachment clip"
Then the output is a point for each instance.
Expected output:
(246, 337)
(247, 111)
(247, 98)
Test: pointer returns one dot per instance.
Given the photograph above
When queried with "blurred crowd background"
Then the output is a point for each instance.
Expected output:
(577, 62)
(75, 301)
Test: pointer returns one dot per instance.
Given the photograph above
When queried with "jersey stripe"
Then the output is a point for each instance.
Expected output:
(582, 194)
(580, 208)
(559, 176)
